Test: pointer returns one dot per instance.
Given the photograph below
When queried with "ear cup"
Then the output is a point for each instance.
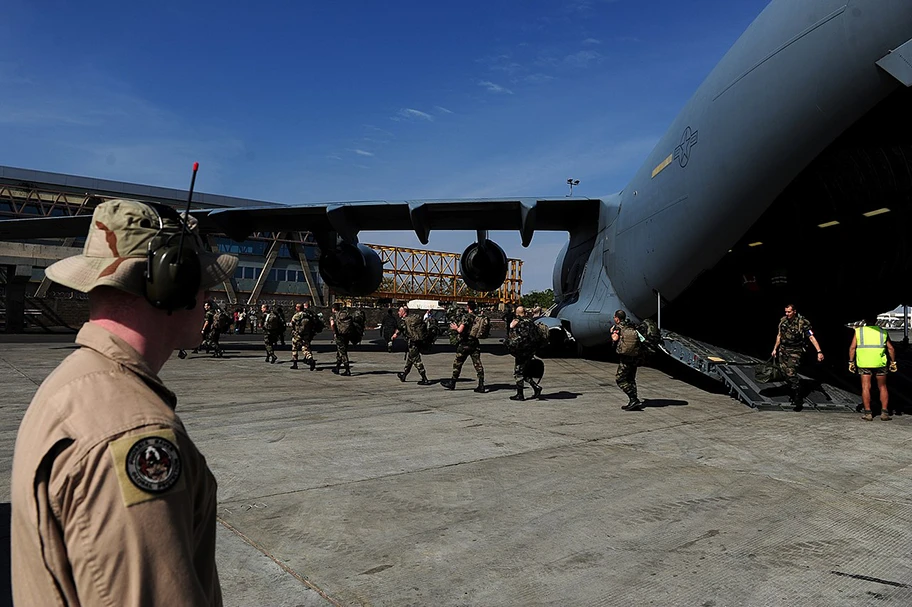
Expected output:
(173, 277)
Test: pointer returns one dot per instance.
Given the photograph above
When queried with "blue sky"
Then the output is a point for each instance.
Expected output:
(365, 100)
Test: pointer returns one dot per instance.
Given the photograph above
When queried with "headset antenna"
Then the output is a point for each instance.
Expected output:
(186, 217)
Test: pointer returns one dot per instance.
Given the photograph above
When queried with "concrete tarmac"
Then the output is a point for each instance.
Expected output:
(366, 491)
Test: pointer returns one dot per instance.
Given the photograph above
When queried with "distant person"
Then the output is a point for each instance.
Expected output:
(387, 328)
(509, 314)
(208, 323)
(794, 333)
(281, 314)
(868, 357)
(522, 342)
(467, 346)
(303, 328)
(341, 322)
(630, 354)
(112, 503)
(414, 329)
(272, 327)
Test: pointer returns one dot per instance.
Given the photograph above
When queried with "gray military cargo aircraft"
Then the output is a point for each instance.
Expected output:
(787, 177)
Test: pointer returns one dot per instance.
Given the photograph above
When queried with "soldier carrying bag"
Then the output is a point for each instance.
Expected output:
(417, 329)
(629, 342)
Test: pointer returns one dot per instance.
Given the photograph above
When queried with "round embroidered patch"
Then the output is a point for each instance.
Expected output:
(153, 464)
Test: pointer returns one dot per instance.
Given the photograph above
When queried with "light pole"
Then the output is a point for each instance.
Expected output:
(572, 182)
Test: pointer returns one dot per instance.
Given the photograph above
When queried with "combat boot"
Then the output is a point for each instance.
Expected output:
(268, 358)
(195, 351)
(401, 376)
(536, 389)
(519, 394)
(182, 354)
(633, 404)
(346, 372)
(480, 388)
(294, 364)
(449, 384)
(313, 364)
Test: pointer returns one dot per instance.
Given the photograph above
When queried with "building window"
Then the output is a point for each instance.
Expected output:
(280, 275)
(249, 272)
(239, 272)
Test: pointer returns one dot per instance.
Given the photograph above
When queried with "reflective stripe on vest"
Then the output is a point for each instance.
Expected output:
(870, 347)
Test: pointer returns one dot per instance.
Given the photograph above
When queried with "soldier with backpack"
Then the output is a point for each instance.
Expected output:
(626, 339)
(342, 324)
(272, 327)
(469, 329)
(221, 323)
(303, 328)
(415, 330)
(523, 339)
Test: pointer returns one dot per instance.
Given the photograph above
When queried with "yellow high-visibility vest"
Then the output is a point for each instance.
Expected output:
(870, 347)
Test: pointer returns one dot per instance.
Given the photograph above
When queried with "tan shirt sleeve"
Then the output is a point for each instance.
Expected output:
(135, 535)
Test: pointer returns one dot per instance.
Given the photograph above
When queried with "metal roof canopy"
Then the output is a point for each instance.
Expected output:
(31, 179)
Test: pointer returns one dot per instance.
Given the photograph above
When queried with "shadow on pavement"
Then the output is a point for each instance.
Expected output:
(562, 395)
(664, 402)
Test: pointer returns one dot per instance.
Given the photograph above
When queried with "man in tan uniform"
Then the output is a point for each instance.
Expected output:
(112, 504)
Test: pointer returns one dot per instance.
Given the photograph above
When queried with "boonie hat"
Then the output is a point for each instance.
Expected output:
(117, 247)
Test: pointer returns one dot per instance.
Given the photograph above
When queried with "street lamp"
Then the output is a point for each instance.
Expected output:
(572, 182)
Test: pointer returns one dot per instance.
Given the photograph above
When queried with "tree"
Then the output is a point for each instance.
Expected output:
(545, 299)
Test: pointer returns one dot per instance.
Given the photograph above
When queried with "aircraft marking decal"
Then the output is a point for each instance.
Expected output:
(682, 152)
(662, 165)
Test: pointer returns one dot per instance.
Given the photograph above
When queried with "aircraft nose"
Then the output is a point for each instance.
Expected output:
(876, 27)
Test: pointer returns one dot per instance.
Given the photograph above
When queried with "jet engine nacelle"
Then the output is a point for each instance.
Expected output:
(483, 266)
(351, 269)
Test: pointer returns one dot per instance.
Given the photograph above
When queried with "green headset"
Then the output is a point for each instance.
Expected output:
(173, 272)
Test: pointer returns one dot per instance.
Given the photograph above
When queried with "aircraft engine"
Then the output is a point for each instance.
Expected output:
(351, 269)
(483, 266)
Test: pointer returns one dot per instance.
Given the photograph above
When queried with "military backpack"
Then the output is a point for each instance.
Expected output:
(481, 328)
(222, 321)
(416, 327)
(651, 336)
(629, 341)
(272, 323)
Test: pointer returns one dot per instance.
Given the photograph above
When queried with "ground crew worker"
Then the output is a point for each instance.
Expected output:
(466, 346)
(215, 329)
(630, 355)
(521, 342)
(410, 326)
(111, 500)
(794, 331)
(340, 322)
(302, 332)
(868, 356)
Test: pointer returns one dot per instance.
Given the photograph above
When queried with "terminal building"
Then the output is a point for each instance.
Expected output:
(277, 268)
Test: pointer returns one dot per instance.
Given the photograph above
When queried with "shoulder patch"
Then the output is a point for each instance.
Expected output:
(148, 465)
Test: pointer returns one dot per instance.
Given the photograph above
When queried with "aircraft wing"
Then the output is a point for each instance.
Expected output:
(422, 216)
(348, 218)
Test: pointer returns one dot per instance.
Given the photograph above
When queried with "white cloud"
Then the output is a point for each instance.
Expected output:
(582, 59)
(361, 152)
(411, 114)
(592, 41)
(442, 109)
(494, 88)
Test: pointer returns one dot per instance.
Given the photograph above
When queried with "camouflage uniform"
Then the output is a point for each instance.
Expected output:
(301, 337)
(792, 337)
(270, 336)
(413, 356)
(625, 377)
(342, 342)
(215, 334)
(468, 346)
(523, 353)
